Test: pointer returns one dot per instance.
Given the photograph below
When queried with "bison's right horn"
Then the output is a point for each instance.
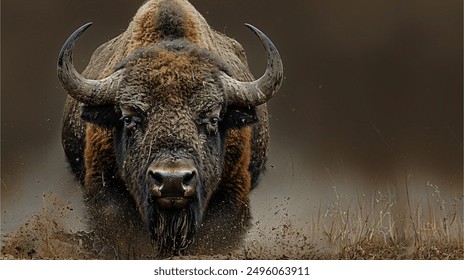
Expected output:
(261, 90)
(87, 91)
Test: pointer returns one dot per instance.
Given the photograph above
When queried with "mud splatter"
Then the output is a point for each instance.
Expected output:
(46, 236)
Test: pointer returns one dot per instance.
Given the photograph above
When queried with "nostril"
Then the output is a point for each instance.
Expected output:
(189, 178)
(172, 180)
(156, 178)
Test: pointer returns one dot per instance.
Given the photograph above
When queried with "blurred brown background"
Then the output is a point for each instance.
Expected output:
(373, 90)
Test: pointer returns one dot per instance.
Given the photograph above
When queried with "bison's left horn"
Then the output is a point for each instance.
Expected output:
(87, 91)
(261, 90)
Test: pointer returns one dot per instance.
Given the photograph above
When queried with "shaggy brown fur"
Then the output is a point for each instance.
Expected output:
(171, 59)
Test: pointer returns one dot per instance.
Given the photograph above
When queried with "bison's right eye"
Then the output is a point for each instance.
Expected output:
(130, 121)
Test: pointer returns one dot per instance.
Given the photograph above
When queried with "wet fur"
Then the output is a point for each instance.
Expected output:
(168, 42)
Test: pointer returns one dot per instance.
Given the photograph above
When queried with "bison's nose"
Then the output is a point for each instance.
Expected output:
(173, 184)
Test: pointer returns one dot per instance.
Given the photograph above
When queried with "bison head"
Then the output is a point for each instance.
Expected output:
(170, 105)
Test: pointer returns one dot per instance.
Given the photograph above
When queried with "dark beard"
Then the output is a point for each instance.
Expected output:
(173, 230)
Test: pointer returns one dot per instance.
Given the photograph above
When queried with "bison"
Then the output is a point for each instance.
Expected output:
(168, 122)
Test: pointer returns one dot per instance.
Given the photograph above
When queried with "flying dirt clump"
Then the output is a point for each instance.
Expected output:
(44, 236)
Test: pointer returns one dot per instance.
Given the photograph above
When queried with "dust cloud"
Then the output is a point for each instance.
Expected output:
(371, 103)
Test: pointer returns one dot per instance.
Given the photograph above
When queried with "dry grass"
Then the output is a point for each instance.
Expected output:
(385, 225)
(398, 223)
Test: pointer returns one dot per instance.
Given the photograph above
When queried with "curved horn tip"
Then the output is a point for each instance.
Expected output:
(261, 90)
(265, 40)
(87, 91)
(256, 31)
(252, 28)
(70, 42)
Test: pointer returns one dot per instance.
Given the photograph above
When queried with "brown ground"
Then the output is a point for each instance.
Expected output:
(44, 237)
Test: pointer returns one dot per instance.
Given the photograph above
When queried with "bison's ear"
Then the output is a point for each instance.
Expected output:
(104, 116)
(237, 117)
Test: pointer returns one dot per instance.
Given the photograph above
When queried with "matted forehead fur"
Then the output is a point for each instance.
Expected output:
(168, 71)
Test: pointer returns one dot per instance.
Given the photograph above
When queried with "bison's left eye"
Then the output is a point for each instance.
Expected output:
(211, 124)
(210, 120)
